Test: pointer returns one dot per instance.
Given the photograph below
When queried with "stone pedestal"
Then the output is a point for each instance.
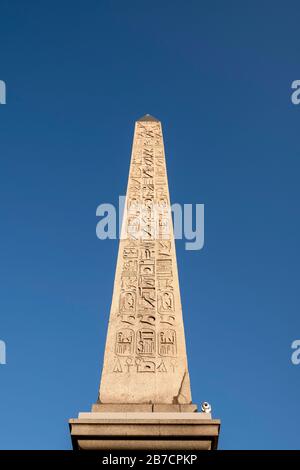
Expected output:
(144, 427)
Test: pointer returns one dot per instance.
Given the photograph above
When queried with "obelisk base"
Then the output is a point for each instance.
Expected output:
(144, 430)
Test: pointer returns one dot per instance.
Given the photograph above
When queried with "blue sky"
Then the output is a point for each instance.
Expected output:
(218, 75)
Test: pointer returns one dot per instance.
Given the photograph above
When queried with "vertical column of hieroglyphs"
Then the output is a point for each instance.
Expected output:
(145, 357)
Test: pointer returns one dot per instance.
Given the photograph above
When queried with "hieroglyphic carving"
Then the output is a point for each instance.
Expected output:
(129, 362)
(148, 229)
(117, 366)
(137, 153)
(161, 181)
(127, 318)
(148, 205)
(164, 249)
(129, 267)
(146, 268)
(130, 252)
(145, 342)
(147, 281)
(135, 172)
(162, 204)
(165, 302)
(167, 318)
(163, 227)
(148, 162)
(148, 191)
(167, 343)
(145, 365)
(165, 282)
(133, 204)
(148, 318)
(135, 184)
(127, 302)
(133, 227)
(162, 367)
(147, 251)
(129, 278)
(147, 298)
(164, 266)
(125, 342)
(148, 171)
(129, 283)
(160, 168)
(161, 193)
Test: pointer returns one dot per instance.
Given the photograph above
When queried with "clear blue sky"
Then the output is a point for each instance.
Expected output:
(218, 76)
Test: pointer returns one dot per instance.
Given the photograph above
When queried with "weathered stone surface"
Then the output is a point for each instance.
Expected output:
(147, 444)
(171, 408)
(145, 355)
(121, 407)
(142, 407)
(145, 433)
(166, 407)
(149, 416)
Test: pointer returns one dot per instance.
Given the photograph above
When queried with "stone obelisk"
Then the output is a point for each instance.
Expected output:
(145, 387)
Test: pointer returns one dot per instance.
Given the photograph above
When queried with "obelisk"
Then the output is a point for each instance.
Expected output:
(145, 356)
(145, 377)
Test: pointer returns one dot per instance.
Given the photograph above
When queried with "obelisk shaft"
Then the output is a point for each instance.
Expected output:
(145, 355)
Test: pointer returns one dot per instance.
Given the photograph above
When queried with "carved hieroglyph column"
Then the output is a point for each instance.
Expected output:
(145, 355)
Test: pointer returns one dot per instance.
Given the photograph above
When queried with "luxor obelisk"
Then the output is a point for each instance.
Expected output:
(145, 396)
